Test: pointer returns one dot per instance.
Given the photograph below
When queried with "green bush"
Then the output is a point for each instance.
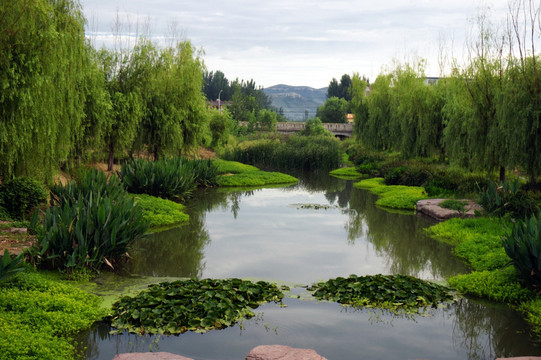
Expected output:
(507, 197)
(523, 246)
(20, 196)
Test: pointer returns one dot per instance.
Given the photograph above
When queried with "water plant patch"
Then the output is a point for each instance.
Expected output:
(394, 292)
(393, 196)
(192, 305)
(256, 178)
(346, 173)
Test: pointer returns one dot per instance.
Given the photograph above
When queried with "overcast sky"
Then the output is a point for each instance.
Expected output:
(300, 42)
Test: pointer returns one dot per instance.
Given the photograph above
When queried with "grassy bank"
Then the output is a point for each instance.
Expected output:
(236, 174)
(478, 241)
(393, 196)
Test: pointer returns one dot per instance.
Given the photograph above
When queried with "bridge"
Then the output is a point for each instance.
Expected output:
(343, 130)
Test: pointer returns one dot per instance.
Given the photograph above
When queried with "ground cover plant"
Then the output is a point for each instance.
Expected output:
(256, 178)
(453, 204)
(346, 173)
(192, 305)
(232, 167)
(395, 292)
(40, 315)
(160, 213)
(393, 196)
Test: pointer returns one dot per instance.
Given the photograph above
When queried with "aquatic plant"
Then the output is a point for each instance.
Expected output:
(191, 305)
(384, 291)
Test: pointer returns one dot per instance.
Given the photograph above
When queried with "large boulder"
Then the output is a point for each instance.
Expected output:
(281, 352)
(150, 356)
(432, 208)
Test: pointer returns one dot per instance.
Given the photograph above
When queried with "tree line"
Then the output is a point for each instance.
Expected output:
(63, 102)
(485, 115)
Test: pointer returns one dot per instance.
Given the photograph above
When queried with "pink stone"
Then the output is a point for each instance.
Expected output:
(281, 352)
(150, 356)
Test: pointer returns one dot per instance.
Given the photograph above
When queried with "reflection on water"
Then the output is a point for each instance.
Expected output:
(262, 234)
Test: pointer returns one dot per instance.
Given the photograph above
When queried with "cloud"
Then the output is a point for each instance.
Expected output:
(297, 42)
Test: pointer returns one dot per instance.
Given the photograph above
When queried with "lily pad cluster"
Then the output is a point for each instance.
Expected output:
(383, 291)
(192, 305)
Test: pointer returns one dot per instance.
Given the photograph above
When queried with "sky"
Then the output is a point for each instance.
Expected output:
(299, 42)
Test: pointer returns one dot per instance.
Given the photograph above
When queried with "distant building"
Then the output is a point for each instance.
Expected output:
(430, 80)
(350, 118)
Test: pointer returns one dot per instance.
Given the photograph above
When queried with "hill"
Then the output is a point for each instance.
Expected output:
(295, 100)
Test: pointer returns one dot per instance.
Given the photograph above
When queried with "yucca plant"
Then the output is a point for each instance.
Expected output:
(507, 197)
(9, 266)
(523, 246)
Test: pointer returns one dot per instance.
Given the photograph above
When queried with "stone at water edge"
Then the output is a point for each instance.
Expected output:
(150, 356)
(281, 352)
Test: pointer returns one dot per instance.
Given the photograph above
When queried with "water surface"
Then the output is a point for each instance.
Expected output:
(319, 229)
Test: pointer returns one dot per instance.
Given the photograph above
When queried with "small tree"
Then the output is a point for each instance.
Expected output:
(333, 111)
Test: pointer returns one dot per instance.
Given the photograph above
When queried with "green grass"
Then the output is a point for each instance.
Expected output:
(393, 196)
(39, 317)
(232, 167)
(161, 213)
(256, 178)
(346, 173)
(453, 204)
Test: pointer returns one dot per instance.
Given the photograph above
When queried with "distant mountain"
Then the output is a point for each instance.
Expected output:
(295, 100)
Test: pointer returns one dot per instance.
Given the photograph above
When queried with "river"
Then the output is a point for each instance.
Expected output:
(319, 229)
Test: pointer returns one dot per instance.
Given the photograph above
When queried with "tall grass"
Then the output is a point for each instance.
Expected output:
(296, 152)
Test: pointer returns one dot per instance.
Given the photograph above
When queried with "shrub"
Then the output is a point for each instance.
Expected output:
(523, 246)
(172, 178)
(20, 196)
(507, 198)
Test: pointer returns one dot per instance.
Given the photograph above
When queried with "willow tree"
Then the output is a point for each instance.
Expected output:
(359, 104)
(376, 134)
(43, 67)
